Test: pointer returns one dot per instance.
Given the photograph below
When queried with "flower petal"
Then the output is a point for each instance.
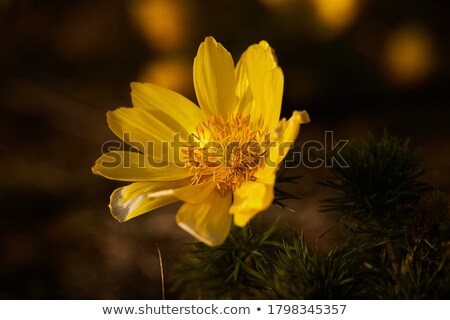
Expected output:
(266, 175)
(133, 200)
(284, 136)
(169, 107)
(209, 220)
(214, 79)
(196, 193)
(258, 71)
(133, 166)
(141, 130)
(273, 96)
(250, 198)
(243, 92)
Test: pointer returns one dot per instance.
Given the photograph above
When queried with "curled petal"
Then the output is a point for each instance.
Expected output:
(283, 137)
(140, 197)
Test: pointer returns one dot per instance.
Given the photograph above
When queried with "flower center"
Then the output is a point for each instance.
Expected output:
(228, 152)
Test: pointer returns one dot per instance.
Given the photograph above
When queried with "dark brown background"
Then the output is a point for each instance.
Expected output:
(63, 64)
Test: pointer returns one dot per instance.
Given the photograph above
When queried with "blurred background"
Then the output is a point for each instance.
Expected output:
(355, 65)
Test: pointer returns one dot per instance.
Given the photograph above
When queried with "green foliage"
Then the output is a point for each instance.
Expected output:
(379, 184)
(295, 273)
(282, 178)
(412, 271)
(224, 272)
(396, 241)
(432, 210)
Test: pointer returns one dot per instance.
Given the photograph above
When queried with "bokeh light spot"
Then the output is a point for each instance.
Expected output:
(409, 56)
(171, 73)
(162, 22)
(335, 14)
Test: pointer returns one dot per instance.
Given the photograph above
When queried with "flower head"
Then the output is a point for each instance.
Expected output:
(220, 159)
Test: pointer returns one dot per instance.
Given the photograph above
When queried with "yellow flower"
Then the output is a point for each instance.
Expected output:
(220, 159)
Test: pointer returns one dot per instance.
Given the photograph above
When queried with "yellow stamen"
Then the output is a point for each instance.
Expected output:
(229, 152)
